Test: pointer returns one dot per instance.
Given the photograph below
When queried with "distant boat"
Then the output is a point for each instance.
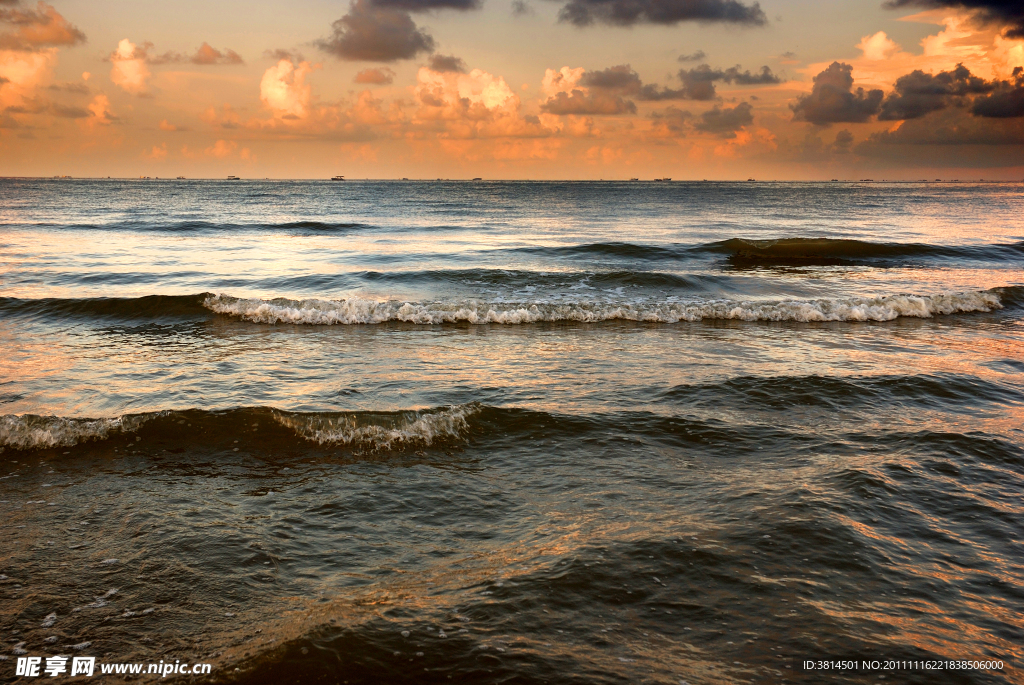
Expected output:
(477, 179)
(180, 178)
(337, 178)
(634, 179)
(663, 179)
(234, 178)
(749, 180)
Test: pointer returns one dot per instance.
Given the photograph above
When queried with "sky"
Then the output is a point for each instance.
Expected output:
(513, 89)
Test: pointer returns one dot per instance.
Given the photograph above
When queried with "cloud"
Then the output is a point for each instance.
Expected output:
(99, 108)
(168, 126)
(456, 106)
(447, 63)
(128, 69)
(669, 12)
(70, 87)
(37, 28)
(280, 54)
(1006, 102)
(23, 73)
(693, 56)
(843, 142)
(580, 102)
(206, 54)
(221, 149)
(943, 128)
(699, 82)
(375, 34)
(833, 100)
(877, 47)
(157, 154)
(1006, 13)
(427, 5)
(670, 122)
(283, 89)
(569, 91)
(918, 93)
(521, 8)
(725, 122)
(377, 77)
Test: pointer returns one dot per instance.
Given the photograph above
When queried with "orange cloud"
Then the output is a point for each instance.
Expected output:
(284, 90)
(158, 153)
(24, 72)
(221, 149)
(99, 108)
(39, 28)
(128, 69)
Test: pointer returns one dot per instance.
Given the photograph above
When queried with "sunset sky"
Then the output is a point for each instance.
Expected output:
(544, 89)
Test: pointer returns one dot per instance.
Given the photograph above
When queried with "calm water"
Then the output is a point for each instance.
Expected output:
(393, 432)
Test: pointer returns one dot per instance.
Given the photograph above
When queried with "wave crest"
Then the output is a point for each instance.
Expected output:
(384, 431)
(42, 432)
(361, 311)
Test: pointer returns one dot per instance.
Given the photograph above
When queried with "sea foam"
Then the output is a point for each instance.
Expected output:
(357, 310)
(41, 432)
(375, 432)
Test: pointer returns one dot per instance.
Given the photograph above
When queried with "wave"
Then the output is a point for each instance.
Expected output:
(362, 311)
(201, 226)
(951, 391)
(517, 278)
(806, 251)
(147, 307)
(357, 431)
(38, 432)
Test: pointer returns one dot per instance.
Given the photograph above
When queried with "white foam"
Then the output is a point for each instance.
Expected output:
(37, 432)
(360, 311)
(381, 431)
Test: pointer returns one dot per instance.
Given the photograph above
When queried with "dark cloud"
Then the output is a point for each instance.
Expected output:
(377, 77)
(621, 77)
(1006, 102)
(699, 82)
(447, 63)
(630, 12)
(578, 102)
(66, 112)
(37, 28)
(725, 122)
(918, 93)
(693, 56)
(671, 121)
(69, 87)
(833, 100)
(843, 142)
(953, 126)
(427, 5)
(521, 8)
(1006, 13)
(376, 34)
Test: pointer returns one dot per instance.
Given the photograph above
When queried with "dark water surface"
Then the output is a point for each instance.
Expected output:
(393, 432)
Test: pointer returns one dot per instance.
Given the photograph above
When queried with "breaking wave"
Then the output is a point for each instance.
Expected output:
(381, 431)
(259, 429)
(671, 310)
(40, 432)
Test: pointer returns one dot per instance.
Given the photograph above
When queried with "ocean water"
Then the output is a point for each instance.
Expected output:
(497, 432)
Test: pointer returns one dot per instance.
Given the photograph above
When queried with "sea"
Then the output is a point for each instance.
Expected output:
(513, 432)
